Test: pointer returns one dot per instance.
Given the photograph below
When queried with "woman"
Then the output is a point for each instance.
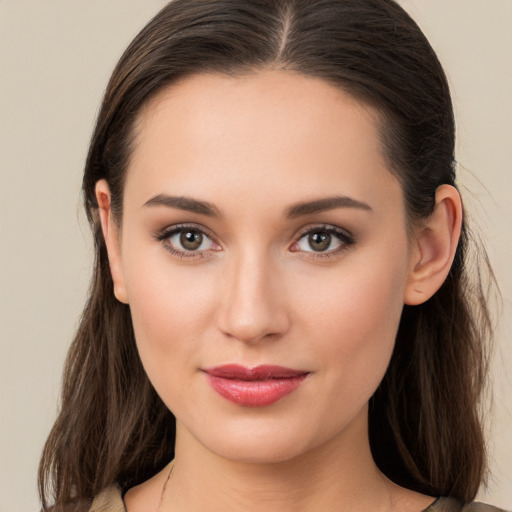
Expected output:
(281, 315)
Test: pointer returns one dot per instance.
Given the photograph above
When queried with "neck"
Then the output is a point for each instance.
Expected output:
(335, 476)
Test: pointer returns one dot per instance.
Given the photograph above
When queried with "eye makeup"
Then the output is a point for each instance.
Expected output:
(318, 238)
(320, 235)
(189, 233)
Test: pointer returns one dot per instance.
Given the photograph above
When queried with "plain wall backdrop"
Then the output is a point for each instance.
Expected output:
(55, 60)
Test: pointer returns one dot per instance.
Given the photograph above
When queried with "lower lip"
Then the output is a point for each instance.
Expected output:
(255, 393)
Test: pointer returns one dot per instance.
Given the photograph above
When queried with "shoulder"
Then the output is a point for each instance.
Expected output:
(108, 500)
(452, 505)
(481, 507)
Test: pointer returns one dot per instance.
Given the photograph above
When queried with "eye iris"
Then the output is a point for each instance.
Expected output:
(319, 241)
(191, 240)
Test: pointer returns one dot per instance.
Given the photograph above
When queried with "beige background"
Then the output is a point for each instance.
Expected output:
(55, 59)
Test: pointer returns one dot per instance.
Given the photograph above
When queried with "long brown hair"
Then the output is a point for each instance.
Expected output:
(425, 430)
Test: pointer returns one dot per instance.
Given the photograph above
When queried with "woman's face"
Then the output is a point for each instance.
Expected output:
(262, 226)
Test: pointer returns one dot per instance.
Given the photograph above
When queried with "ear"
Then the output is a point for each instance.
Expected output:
(112, 240)
(434, 247)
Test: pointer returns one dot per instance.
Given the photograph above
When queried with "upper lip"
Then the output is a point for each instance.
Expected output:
(261, 372)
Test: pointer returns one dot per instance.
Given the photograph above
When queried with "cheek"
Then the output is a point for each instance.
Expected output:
(170, 308)
(354, 322)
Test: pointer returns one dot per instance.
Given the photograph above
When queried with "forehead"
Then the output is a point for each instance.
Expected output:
(210, 105)
(291, 134)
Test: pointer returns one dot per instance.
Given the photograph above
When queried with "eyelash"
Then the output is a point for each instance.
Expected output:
(164, 236)
(346, 239)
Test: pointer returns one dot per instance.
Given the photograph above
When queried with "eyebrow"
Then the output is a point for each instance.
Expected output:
(292, 212)
(185, 203)
(324, 204)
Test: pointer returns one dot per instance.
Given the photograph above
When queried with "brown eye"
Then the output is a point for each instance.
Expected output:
(319, 241)
(187, 242)
(191, 240)
(323, 241)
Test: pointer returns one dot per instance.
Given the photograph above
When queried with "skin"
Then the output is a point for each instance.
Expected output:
(258, 292)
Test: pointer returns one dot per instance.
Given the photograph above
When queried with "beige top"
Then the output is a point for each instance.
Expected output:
(111, 500)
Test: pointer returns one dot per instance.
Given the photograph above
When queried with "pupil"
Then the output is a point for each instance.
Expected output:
(191, 240)
(319, 241)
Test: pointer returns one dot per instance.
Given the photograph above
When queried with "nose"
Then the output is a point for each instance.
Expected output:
(253, 300)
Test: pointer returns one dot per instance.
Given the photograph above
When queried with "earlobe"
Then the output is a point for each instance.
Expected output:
(435, 245)
(111, 237)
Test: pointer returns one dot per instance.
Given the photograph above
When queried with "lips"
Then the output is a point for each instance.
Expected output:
(254, 387)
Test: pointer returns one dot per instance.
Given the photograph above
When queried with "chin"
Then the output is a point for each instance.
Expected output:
(258, 451)
(260, 441)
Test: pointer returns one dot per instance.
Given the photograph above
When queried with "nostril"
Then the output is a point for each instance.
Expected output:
(252, 333)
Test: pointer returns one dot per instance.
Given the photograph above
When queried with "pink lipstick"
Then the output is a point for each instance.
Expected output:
(254, 387)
